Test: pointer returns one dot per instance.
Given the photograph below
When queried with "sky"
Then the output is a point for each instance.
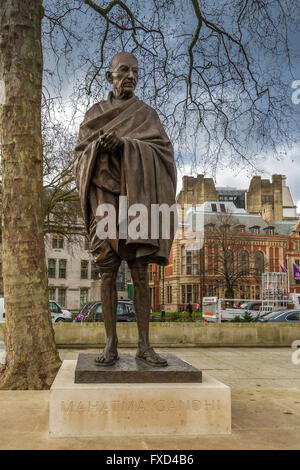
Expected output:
(289, 165)
(240, 178)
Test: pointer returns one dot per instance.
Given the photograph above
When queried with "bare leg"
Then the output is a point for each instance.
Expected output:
(109, 308)
(142, 306)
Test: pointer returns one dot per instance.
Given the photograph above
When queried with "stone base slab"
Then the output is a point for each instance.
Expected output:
(139, 409)
(128, 369)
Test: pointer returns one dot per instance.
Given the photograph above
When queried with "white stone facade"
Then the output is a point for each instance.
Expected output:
(69, 279)
(71, 282)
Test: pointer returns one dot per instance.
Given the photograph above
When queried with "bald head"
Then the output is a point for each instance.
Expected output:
(123, 74)
(123, 57)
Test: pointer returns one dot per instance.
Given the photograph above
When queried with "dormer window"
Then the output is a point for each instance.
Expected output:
(225, 228)
(255, 229)
(269, 230)
(209, 227)
(240, 229)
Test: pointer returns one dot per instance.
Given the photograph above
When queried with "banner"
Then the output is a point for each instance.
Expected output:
(296, 272)
(282, 269)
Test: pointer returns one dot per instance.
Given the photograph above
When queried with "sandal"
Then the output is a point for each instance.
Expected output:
(104, 361)
(151, 358)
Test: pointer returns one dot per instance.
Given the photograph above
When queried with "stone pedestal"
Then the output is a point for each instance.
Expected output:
(128, 369)
(137, 409)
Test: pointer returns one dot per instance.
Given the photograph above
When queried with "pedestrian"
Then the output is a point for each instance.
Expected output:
(189, 309)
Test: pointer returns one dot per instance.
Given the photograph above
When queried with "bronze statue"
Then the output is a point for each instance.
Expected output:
(123, 150)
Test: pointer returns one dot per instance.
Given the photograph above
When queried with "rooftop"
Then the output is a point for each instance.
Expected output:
(209, 212)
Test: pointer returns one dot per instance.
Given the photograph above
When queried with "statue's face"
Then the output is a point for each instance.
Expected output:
(123, 75)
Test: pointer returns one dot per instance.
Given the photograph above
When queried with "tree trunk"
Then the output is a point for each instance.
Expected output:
(32, 358)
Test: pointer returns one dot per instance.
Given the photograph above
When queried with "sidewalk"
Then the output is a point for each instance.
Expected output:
(265, 389)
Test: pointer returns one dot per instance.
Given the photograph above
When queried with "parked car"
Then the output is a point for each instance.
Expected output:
(252, 307)
(84, 310)
(288, 316)
(2, 310)
(125, 312)
(59, 314)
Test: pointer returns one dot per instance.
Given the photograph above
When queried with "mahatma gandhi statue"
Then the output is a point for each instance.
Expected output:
(123, 150)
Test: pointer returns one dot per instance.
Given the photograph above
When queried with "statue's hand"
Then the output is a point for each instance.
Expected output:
(111, 141)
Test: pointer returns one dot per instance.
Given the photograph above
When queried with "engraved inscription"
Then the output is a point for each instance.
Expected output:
(139, 406)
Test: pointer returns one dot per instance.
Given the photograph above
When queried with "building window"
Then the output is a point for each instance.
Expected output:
(228, 261)
(189, 260)
(84, 270)
(244, 263)
(183, 294)
(240, 228)
(62, 272)
(259, 263)
(242, 292)
(160, 275)
(196, 293)
(212, 290)
(52, 293)
(267, 199)
(255, 229)
(57, 241)
(209, 227)
(186, 293)
(225, 228)
(257, 292)
(51, 268)
(83, 297)
(223, 207)
(269, 230)
(94, 271)
(189, 293)
(150, 274)
(62, 297)
(214, 207)
(245, 292)
(183, 260)
(248, 292)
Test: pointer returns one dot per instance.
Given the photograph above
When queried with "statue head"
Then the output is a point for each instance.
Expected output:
(123, 74)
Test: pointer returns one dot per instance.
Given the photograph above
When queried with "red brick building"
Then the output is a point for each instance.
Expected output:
(237, 244)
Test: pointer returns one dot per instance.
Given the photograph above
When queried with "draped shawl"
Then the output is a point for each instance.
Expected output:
(143, 170)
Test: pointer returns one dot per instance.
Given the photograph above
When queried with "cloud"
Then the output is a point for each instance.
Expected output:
(240, 177)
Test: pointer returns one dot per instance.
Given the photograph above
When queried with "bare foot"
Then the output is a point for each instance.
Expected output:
(151, 358)
(107, 358)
